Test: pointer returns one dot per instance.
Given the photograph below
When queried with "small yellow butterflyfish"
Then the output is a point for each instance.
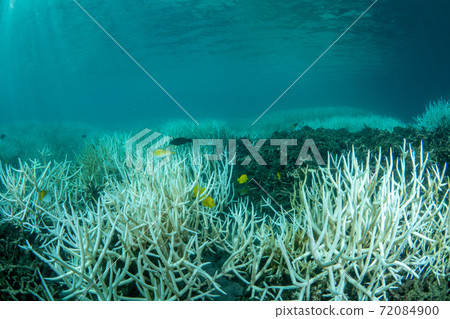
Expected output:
(44, 197)
(196, 191)
(162, 153)
(208, 202)
(243, 179)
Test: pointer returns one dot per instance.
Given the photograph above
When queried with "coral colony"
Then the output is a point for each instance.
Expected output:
(356, 230)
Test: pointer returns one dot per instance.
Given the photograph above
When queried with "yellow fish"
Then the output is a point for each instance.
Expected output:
(196, 191)
(44, 197)
(243, 179)
(279, 176)
(162, 153)
(297, 127)
(208, 202)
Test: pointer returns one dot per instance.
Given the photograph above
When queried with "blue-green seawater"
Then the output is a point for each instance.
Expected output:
(218, 59)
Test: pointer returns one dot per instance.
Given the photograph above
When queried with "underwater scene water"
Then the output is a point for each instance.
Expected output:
(224, 150)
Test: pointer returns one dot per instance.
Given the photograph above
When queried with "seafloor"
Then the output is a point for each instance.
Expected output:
(19, 269)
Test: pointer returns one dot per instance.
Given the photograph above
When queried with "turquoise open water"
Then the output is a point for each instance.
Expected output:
(218, 59)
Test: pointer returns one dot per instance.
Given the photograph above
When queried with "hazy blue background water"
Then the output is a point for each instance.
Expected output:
(219, 59)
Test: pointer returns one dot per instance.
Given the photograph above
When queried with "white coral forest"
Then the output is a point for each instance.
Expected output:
(355, 230)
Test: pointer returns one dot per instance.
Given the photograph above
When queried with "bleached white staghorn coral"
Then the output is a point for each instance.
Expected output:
(144, 238)
(437, 115)
(355, 229)
(371, 226)
(21, 202)
(355, 232)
